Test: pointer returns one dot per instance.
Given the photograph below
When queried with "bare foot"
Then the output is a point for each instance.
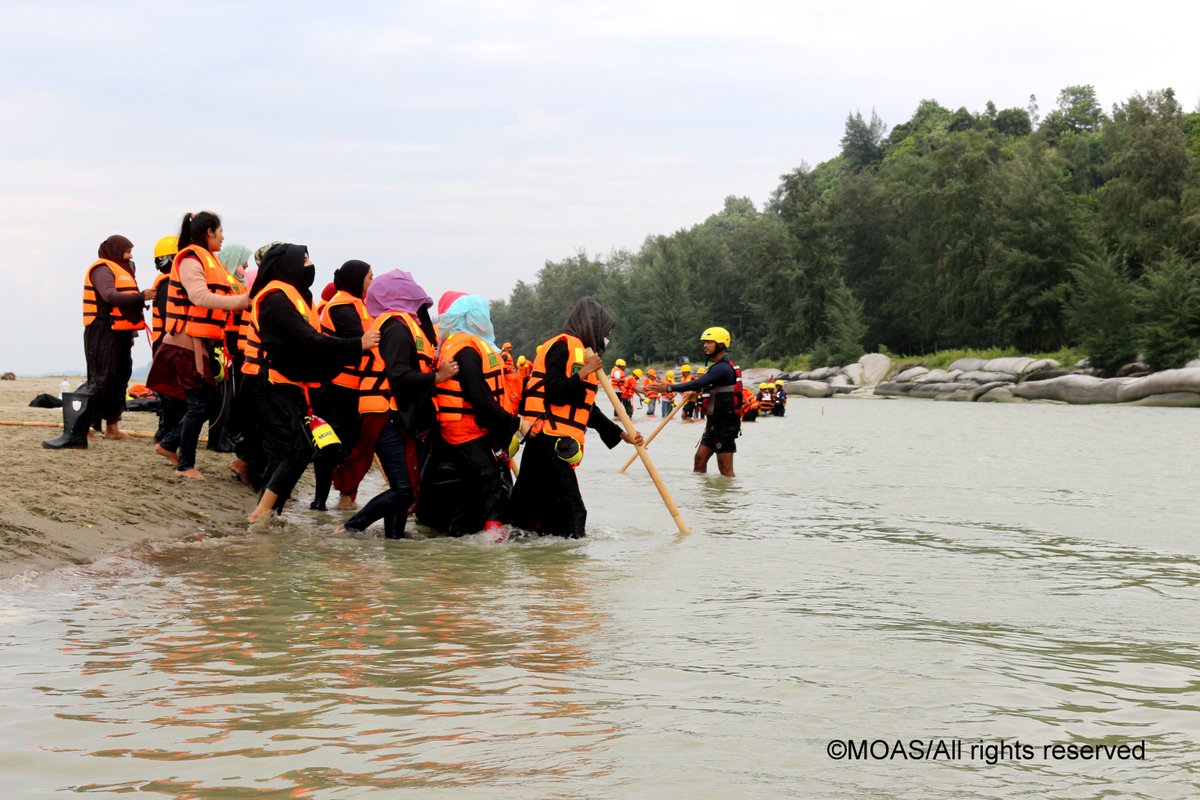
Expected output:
(114, 432)
(92, 434)
(256, 515)
(346, 503)
(167, 454)
(190, 473)
(241, 469)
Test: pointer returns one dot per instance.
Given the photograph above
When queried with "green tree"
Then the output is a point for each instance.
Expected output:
(1168, 303)
(1101, 313)
(862, 142)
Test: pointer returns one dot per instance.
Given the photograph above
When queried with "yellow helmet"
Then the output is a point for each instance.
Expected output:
(670, 376)
(686, 368)
(716, 334)
(620, 362)
(700, 371)
(764, 386)
(522, 360)
(779, 382)
(637, 373)
(166, 246)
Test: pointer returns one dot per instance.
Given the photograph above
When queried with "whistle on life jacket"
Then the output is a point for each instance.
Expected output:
(323, 434)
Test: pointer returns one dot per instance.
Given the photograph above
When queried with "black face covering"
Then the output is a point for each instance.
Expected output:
(163, 263)
(285, 262)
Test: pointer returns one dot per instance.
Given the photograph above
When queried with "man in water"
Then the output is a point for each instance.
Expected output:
(720, 390)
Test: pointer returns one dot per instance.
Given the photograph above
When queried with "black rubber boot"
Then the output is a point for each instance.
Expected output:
(396, 517)
(77, 418)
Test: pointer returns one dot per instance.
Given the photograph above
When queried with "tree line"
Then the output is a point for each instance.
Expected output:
(956, 229)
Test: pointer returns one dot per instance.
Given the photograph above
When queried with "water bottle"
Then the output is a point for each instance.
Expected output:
(65, 386)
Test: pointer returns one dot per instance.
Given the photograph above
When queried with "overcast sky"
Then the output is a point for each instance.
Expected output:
(471, 141)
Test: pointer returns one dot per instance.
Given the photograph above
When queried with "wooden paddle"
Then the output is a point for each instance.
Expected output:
(641, 449)
(650, 438)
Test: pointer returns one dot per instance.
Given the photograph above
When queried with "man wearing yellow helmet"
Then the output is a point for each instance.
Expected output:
(617, 379)
(689, 404)
(780, 399)
(668, 398)
(766, 399)
(721, 396)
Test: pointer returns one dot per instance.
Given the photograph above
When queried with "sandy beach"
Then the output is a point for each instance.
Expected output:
(69, 506)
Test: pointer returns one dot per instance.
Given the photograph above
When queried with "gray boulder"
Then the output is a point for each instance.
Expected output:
(982, 376)
(808, 388)
(912, 373)
(968, 364)
(1168, 381)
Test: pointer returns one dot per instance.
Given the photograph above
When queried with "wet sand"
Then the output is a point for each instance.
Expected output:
(69, 506)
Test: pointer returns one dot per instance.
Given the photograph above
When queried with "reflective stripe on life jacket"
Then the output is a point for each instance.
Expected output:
(455, 415)
(184, 316)
(349, 377)
(374, 394)
(124, 282)
(558, 420)
(273, 375)
(157, 322)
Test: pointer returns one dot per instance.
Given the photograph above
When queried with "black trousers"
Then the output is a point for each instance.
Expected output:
(286, 442)
(546, 498)
(109, 357)
(462, 487)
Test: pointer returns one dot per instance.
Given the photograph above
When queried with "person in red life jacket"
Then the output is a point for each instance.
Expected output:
(170, 409)
(721, 395)
(506, 356)
(557, 408)
(296, 358)
(187, 364)
(466, 483)
(112, 316)
(405, 361)
(628, 389)
(345, 315)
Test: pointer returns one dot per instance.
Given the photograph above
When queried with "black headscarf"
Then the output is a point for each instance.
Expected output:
(590, 322)
(114, 249)
(349, 277)
(285, 262)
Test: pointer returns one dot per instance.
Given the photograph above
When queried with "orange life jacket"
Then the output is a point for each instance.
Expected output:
(157, 322)
(628, 388)
(617, 377)
(374, 394)
(558, 420)
(185, 316)
(455, 415)
(349, 377)
(255, 334)
(507, 358)
(124, 282)
(649, 394)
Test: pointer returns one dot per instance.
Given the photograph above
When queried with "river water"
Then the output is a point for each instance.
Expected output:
(879, 570)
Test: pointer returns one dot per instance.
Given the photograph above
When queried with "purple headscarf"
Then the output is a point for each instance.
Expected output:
(396, 291)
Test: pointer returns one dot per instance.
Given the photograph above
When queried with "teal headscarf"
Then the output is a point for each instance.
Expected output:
(233, 256)
(468, 314)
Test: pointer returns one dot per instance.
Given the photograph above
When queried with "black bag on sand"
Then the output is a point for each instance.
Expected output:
(76, 421)
(44, 400)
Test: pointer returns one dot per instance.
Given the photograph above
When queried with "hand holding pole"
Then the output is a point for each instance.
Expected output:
(641, 450)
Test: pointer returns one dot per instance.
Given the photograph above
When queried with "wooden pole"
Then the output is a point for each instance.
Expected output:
(130, 434)
(641, 450)
(650, 438)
